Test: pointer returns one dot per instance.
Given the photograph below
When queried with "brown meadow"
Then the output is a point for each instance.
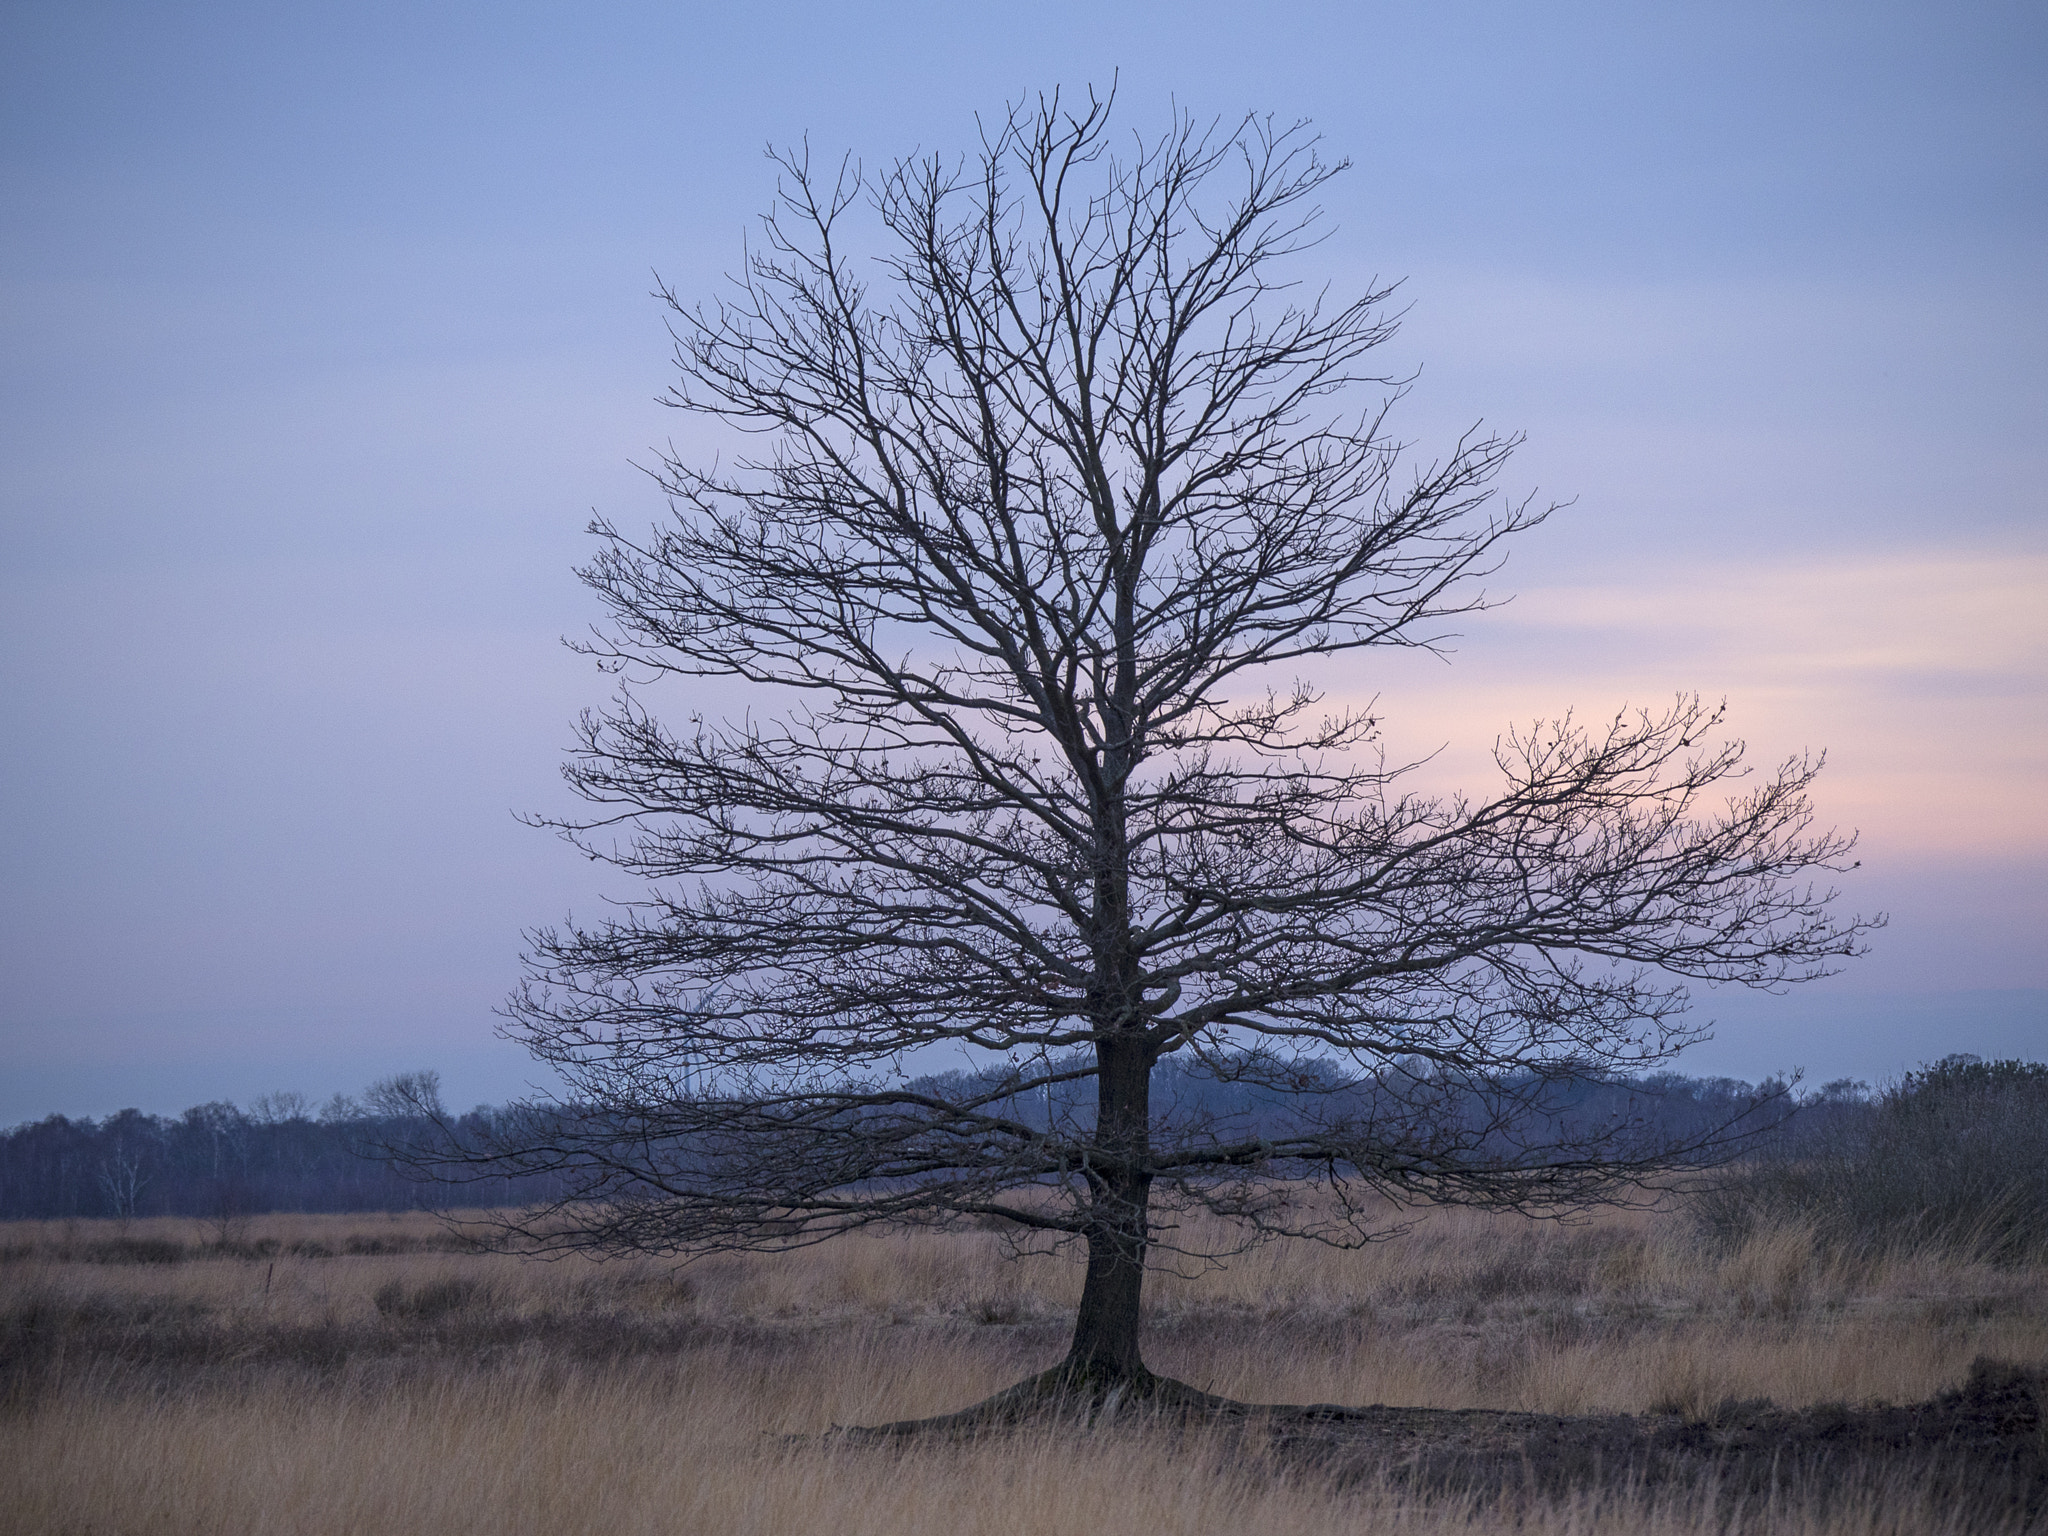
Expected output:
(368, 1374)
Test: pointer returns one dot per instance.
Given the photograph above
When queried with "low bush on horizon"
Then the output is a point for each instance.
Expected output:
(1952, 1157)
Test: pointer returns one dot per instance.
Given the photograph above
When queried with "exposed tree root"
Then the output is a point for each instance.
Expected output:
(1073, 1393)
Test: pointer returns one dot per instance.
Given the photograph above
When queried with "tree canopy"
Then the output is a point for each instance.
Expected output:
(1060, 508)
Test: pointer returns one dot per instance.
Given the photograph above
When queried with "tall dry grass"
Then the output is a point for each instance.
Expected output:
(628, 1452)
(289, 1383)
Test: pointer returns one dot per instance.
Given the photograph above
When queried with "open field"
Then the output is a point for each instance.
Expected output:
(365, 1374)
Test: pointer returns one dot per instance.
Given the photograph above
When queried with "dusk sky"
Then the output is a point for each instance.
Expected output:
(327, 327)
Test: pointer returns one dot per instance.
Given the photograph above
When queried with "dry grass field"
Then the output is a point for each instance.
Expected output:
(365, 1374)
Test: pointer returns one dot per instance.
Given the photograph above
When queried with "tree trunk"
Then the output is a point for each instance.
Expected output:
(1105, 1347)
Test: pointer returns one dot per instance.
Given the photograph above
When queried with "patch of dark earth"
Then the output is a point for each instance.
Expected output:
(1980, 1450)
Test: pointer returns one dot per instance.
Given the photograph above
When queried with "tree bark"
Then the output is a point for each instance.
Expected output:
(1105, 1347)
(1105, 1343)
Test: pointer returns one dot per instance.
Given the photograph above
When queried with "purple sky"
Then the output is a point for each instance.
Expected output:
(326, 327)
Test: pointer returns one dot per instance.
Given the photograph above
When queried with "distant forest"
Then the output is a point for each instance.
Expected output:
(284, 1153)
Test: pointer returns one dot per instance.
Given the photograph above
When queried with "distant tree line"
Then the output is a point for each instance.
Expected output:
(285, 1153)
(282, 1153)
(1955, 1154)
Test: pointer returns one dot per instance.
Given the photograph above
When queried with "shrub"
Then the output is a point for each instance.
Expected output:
(432, 1301)
(1954, 1156)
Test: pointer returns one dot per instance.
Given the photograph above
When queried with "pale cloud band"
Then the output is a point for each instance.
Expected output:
(1923, 676)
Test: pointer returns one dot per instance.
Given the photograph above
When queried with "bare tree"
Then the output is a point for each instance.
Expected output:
(122, 1178)
(1061, 500)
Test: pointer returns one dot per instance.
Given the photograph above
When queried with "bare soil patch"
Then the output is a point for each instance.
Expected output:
(1980, 1446)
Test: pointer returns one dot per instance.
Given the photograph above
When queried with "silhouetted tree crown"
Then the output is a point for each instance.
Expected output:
(1046, 522)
